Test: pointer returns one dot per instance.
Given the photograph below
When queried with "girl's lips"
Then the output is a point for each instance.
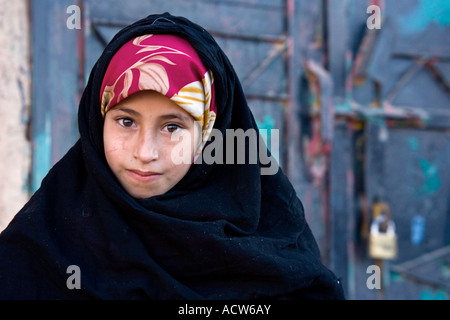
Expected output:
(144, 176)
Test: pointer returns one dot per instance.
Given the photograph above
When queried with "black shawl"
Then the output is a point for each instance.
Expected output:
(223, 232)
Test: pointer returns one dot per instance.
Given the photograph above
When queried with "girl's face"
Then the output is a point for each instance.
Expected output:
(149, 143)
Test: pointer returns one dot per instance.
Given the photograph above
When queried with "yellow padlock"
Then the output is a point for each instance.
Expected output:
(382, 244)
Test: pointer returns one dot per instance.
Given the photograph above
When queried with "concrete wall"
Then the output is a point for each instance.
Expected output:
(15, 85)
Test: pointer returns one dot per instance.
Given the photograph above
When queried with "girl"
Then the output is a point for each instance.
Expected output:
(131, 213)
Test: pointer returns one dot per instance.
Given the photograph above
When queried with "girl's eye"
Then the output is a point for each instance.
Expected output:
(125, 122)
(172, 128)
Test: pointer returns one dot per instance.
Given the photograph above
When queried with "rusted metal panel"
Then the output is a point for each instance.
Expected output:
(409, 169)
(56, 85)
(231, 17)
(397, 87)
(425, 277)
(341, 202)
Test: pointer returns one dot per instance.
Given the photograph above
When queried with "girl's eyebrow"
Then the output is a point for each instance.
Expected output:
(126, 110)
(169, 116)
(178, 116)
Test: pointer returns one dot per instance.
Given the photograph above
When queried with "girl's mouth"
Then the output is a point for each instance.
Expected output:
(144, 176)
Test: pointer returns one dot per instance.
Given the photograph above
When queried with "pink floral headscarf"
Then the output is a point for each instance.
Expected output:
(167, 64)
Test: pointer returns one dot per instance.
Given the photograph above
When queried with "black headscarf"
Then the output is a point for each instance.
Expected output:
(223, 232)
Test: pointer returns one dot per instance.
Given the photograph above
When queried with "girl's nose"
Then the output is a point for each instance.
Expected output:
(146, 149)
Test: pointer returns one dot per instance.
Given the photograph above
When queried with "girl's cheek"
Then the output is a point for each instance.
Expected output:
(183, 147)
(113, 144)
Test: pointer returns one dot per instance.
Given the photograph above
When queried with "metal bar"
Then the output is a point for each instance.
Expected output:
(405, 269)
(412, 56)
(276, 98)
(99, 35)
(406, 77)
(425, 258)
(252, 38)
(278, 50)
(214, 33)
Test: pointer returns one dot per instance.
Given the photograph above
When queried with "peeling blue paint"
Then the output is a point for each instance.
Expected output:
(426, 12)
(417, 229)
(42, 154)
(414, 144)
(431, 174)
(344, 107)
(429, 295)
(268, 124)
